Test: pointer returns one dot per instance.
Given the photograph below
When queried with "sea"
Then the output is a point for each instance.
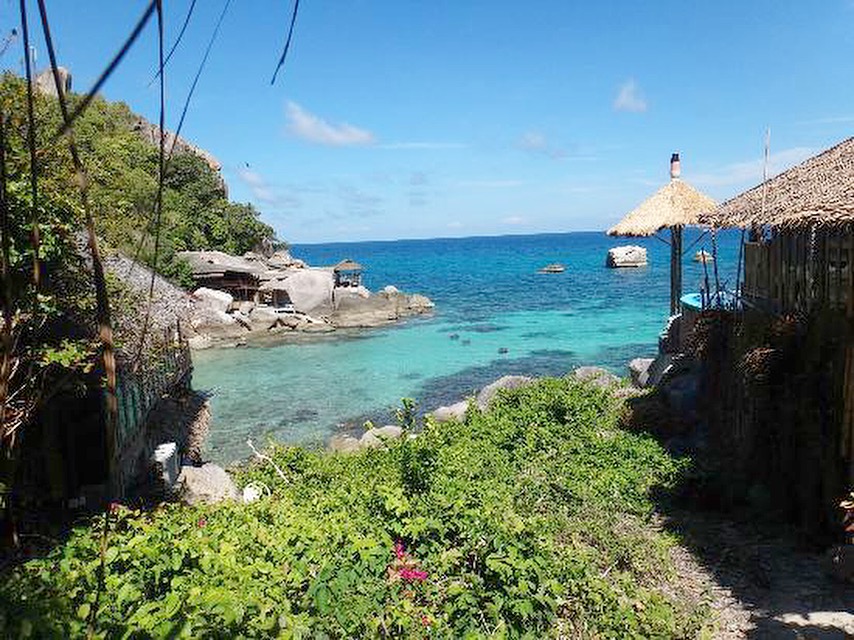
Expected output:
(495, 315)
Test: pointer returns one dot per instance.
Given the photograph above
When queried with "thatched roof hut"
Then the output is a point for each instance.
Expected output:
(676, 204)
(819, 191)
(347, 265)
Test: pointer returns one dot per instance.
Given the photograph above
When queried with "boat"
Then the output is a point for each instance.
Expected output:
(553, 268)
(703, 256)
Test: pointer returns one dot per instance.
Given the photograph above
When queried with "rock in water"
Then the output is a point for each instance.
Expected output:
(627, 256)
(207, 484)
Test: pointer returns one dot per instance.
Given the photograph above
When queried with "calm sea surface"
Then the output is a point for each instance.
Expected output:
(488, 296)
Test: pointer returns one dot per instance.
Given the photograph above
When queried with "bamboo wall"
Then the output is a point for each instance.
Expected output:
(808, 272)
(795, 272)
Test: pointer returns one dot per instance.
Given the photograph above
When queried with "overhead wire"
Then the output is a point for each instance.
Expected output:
(287, 42)
(31, 144)
(108, 71)
(177, 41)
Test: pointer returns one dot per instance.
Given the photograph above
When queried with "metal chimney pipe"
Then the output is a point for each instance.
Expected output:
(675, 166)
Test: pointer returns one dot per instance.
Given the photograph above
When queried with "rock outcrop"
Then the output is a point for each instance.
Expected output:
(207, 484)
(627, 256)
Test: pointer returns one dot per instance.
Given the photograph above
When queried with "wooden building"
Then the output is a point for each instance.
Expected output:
(780, 379)
(217, 270)
(348, 273)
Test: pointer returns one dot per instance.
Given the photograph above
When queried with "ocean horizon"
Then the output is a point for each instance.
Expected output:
(495, 315)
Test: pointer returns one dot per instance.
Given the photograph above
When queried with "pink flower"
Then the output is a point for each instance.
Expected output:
(202, 522)
(411, 575)
(114, 507)
(425, 620)
(399, 552)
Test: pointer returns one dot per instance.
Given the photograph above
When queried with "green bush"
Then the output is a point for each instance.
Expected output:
(526, 521)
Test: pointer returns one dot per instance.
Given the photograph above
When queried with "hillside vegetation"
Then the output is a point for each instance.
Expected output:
(123, 175)
(531, 519)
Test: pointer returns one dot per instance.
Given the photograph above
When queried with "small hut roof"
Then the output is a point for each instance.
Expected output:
(347, 265)
(676, 203)
(217, 262)
(820, 191)
(273, 285)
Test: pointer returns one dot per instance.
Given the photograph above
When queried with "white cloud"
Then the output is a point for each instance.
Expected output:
(629, 98)
(315, 129)
(514, 220)
(536, 142)
(456, 224)
(264, 193)
(422, 145)
(739, 173)
(490, 184)
(257, 185)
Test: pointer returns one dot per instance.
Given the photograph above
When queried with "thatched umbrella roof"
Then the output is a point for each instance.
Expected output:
(819, 191)
(347, 265)
(676, 204)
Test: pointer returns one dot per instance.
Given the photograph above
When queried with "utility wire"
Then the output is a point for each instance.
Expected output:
(143, 20)
(177, 41)
(287, 42)
(102, 303)
(31, 143)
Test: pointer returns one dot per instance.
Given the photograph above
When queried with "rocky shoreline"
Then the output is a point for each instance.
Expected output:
(293, 299)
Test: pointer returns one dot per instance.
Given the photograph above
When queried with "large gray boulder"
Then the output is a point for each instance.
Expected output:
(263, 318)
(216, 323)
(596, 376)
(488, 393)
(453, 412)
(310, 290)
(213, 299)
(420, 303)
(639, 371)
(205, 485)
(627, 256)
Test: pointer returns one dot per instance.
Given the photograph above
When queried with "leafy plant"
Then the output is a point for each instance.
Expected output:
(528, 520)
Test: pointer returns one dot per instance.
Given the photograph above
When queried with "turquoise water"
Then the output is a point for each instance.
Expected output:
(488, 298)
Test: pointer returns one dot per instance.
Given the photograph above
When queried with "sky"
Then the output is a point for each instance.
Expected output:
(414, 119)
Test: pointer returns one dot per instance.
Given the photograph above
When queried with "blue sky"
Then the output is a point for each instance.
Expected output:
(404, 119)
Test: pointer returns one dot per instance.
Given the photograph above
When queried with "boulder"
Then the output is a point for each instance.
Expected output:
(216, 324)
(453, 412)
(596, 376)
(263, 318)
(199, 342)
(343, 443)
(388, 432)
(488, 393)
(205, 485)
(627, 256)
(213, 299)
(639, 371)
(390, 289)
(245, 307)
(310, 290)
(419, 303)
(370, 440)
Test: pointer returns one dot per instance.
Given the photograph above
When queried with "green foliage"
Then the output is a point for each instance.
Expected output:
(123, 174)
(530, 520)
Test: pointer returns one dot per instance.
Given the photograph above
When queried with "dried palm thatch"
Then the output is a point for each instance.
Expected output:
(819, 191)
(675, 204)
(348, 265)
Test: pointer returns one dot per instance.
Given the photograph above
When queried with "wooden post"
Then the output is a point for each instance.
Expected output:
(675, 268)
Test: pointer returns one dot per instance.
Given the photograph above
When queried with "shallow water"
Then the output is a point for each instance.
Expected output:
(488, 296)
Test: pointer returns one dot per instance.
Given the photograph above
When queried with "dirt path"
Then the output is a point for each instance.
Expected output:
(761, 583)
